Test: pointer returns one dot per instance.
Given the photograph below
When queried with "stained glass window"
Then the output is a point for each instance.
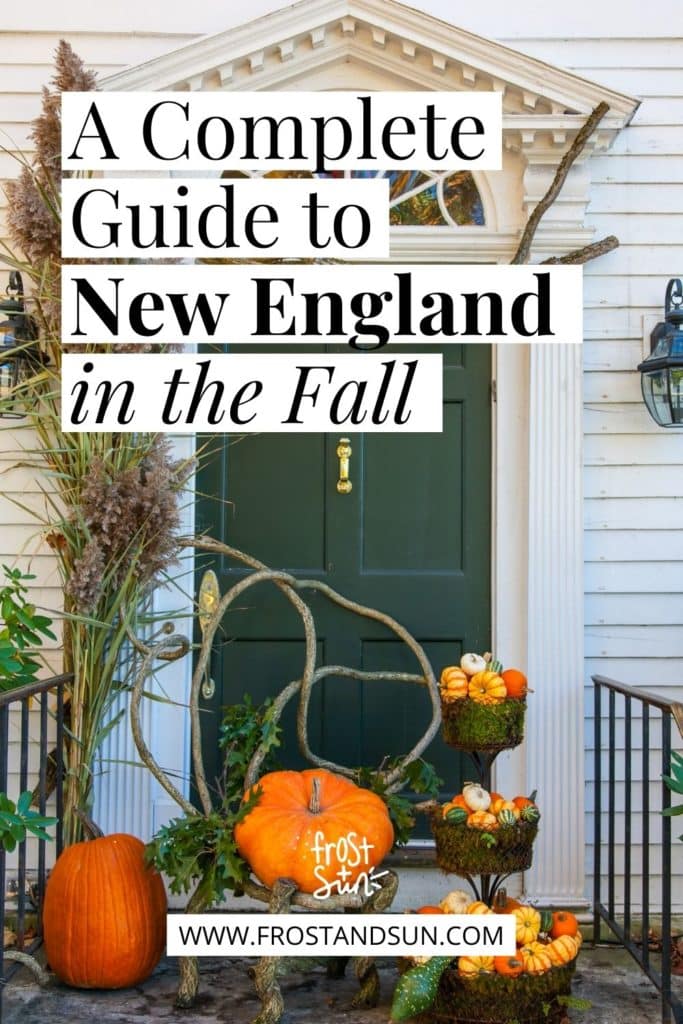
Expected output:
(416, 198)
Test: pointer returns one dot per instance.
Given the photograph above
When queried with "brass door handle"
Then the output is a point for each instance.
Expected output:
(344, 452)
(207, 603)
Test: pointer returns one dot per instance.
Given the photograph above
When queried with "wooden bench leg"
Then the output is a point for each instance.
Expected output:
(266, 971)
(188, 986)
(336, 967)
(368, 979)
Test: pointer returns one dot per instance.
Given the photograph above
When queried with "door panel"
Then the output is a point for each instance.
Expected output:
(411, 539)
(421, 473)
(289, 488)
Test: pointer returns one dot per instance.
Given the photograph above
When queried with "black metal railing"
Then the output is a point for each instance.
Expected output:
(654, 710)
(29, 884)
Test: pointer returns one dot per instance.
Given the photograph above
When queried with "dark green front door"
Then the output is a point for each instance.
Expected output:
(412, 539)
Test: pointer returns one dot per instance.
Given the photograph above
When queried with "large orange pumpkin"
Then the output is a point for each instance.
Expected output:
(309, 825)
(104, 918)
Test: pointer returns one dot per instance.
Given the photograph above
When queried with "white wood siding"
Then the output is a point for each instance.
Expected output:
(633, 477)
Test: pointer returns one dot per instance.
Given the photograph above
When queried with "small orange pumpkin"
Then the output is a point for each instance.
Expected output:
(562, 949)
(104, 917)
(523, 801)
(504, 904)
(453, 683)
(532, 948)
(280, 834)
(487, 688)
(537, 963)
(516, 683)
(471, 966)
(459, 801)
(564, 923)
(527, 925)
(429, 910)
(497, 802)
(478, 908)
(483, 821)
(510, 966)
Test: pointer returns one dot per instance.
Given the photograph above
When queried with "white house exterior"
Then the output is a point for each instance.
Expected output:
(587, 532)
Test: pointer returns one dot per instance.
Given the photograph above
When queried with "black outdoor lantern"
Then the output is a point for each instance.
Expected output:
(18, 346)
(662, 371)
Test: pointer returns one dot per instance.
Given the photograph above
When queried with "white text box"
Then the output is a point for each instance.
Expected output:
(365, 306)
(247, 393)
(257, 217)
(340, 935)
(315, 131)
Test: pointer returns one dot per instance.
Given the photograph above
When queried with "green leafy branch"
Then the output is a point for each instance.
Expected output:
(23, 630)
(18, 820)
(675, 783)
(419, 778)
(245, 728)
(201, 848)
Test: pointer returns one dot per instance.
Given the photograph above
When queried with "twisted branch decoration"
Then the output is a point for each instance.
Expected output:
(283, 895)
(290, 586)
(175, 645)
(156, 650)
(393, 777)
(172, 646)
(543, 205)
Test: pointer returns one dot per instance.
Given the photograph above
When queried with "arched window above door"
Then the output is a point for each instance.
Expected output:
(416, 198)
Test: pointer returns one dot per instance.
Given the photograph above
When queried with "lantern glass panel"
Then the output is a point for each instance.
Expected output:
(676, 388)
(8, 377)
(655, 387)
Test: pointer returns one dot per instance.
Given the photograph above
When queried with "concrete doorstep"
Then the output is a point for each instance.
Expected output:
(606, 977)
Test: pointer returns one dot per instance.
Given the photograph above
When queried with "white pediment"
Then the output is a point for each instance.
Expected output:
(385, 45)
(297, 41)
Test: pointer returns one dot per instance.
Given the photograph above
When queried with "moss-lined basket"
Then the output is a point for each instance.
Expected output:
(484, 728)
(467, 851)
(495, 999)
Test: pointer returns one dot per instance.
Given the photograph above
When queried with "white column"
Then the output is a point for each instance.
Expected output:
(554, 741)
(510, 558)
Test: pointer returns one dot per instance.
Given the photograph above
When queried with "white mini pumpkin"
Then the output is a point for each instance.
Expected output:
(472, 663)
(456, 902)
(476, 797)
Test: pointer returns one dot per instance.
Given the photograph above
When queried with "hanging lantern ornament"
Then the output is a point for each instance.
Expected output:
(662, 371)
(19, 352)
